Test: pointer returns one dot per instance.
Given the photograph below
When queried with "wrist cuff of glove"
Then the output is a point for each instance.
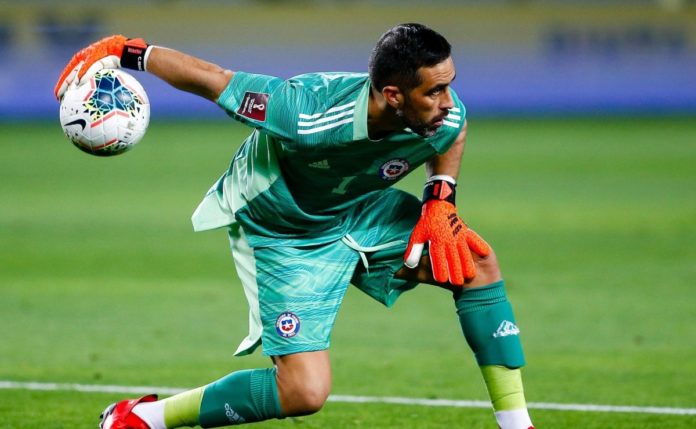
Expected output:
(134, 55)
(440, 188)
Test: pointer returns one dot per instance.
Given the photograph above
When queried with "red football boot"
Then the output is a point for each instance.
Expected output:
(119, 415)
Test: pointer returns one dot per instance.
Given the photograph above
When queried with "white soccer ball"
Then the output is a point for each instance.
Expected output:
(107, 114)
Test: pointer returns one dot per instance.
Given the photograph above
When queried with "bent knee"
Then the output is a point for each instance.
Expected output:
(313, 399)
(304, 382)
(307, 398)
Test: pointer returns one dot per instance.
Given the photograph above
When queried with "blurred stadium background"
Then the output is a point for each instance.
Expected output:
(516, 57)
(580, 169)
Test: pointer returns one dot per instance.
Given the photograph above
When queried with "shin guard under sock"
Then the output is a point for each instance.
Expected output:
(241, 397)
(489, 325)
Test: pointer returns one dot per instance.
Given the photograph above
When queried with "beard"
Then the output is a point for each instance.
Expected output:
(419, 127)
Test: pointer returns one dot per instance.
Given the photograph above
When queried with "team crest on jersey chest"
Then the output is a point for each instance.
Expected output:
(393, 169)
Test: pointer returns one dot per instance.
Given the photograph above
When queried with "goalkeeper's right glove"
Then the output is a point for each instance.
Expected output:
(110, 52)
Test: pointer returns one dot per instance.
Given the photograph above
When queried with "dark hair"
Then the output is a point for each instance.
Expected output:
(401, 51)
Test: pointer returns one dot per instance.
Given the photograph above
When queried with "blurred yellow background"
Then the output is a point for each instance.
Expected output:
(513, 57)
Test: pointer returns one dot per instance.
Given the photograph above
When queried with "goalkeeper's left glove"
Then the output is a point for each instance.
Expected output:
(450, 241)
(110, 52)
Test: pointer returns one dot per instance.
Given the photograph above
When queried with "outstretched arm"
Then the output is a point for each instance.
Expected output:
(188, 73)
(182, 71)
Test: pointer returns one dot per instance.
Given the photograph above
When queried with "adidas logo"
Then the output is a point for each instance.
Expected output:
(323, 164)
(505, 329)
(232, 415)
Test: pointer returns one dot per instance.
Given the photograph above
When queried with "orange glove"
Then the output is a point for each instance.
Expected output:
(109, 52)
(450, 241)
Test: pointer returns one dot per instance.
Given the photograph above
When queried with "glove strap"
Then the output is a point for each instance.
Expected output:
(134, 54)
(440, 189)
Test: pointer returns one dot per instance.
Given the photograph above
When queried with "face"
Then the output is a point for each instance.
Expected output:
(424, 108)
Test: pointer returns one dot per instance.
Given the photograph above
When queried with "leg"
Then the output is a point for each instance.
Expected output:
(304, 382)
(298, 385)
(294, 294)
(485, 315)
(301, 383)
(487, 272)
(488, 324)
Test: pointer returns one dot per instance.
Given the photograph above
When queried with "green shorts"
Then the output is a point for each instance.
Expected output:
(294, 293)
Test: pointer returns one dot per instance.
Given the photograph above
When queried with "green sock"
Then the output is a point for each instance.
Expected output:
(504, 387)
(183, 409)
(488, 324)
(241, 397)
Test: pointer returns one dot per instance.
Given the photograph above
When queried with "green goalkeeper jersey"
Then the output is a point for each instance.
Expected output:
(309, 163)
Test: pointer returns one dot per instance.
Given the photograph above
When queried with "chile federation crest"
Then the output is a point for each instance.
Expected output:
(287, 325)
(393, 169)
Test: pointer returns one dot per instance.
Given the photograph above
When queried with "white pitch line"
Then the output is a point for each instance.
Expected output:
(142, 390)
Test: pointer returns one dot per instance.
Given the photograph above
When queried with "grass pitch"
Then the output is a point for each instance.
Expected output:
(102, 280)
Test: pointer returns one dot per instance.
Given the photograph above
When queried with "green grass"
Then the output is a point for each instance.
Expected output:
(102, 280)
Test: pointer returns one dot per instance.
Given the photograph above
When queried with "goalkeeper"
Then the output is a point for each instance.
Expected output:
(309, 208)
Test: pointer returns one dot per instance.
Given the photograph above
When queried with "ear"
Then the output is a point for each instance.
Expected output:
(393, 96)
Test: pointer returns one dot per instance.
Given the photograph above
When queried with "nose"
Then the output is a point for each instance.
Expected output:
(447, 102)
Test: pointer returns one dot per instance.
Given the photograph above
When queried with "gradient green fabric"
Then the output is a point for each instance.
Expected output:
(182, 409)
(294, 293)
(241, 397)
(504, 387)
(310, 157)
(488, 323)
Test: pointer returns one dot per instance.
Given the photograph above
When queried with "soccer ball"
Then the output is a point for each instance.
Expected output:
(107, 114)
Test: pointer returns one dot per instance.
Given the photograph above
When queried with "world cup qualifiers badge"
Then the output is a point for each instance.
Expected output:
(393, 169)
(254, 106)
(287, 325)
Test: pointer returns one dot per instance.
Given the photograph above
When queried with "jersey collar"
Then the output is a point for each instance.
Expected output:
(361, 104)
(360, 117)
